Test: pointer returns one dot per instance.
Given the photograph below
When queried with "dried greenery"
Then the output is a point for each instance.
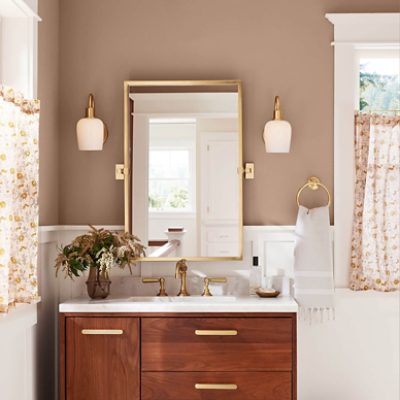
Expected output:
(99, 248)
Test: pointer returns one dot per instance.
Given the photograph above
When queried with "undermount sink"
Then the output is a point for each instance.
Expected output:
(185, 299)
(148, 299)
(192, 299)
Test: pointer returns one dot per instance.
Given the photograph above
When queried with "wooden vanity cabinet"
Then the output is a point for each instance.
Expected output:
(178, 356)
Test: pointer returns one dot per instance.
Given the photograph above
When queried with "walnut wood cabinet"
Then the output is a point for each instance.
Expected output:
(178, 356)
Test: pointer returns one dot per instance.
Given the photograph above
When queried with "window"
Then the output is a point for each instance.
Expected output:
(379, 82)
(358, 39)
(172, 166)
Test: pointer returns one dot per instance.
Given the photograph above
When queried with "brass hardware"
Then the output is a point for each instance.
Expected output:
(120, 172)
(207, 281)
(313, 183)
(90, 114)
(181, 270)
(161, 281)
(102, 331)
(132, 84)
(200, 332)
(215, 386)
(277, 109)
(247, 170)
(90, 107)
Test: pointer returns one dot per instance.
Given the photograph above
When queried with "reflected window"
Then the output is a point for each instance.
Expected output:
(172, 175)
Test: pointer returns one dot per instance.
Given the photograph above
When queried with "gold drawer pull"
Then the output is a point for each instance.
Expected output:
(199, 332)
(102, 331)
(215, 386)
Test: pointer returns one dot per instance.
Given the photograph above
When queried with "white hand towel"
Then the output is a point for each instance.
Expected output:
(313, 266)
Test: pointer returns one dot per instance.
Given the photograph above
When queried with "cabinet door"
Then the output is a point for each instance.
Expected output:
(102, 358)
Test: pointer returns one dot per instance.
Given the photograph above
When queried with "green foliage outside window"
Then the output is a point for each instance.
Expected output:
(177, 199)
(378, 92)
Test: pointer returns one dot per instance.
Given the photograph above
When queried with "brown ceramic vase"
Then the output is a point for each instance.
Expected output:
(98, 283)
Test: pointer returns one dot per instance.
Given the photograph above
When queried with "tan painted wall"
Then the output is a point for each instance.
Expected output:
(275, 47)
(48, 78)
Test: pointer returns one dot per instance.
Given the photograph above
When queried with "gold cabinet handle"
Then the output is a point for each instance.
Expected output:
(215, 386)
(102, 331)
(232, 332)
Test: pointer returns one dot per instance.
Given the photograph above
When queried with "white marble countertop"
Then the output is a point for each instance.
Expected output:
(192, 304)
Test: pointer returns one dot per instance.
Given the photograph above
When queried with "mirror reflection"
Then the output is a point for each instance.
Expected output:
(186, 193)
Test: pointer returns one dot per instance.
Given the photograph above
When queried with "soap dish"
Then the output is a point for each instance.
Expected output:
(267, 293)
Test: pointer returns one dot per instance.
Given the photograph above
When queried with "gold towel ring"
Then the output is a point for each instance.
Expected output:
(313, 183)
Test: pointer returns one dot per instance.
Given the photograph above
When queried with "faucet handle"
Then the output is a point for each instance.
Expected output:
(161, 281)
(181, 266)
(208, 280)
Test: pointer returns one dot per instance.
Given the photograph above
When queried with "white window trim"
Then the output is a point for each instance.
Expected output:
(19, 33)
(352, 32)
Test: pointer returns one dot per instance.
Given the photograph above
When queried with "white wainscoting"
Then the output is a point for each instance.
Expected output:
(355, 357)
(18, 333)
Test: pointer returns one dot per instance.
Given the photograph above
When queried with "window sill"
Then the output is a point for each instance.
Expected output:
(23, 315)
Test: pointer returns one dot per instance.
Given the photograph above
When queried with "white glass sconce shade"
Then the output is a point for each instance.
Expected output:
(277, 136)
(277, 133)
(91, 132)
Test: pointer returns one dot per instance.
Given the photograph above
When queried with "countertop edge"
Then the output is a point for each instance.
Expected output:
(285, 305)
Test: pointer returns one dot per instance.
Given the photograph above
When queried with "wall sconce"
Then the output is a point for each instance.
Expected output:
(91, 132)
(277, 133)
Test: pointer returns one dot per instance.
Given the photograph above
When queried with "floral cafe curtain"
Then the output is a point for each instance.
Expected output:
(375, 252)
(19, 125)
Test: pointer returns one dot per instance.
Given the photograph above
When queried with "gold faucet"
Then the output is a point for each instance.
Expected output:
(207, 281)
(181, 270)
(161, 281)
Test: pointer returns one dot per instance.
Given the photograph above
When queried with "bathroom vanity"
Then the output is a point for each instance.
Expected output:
(190, 347)
(155, 348)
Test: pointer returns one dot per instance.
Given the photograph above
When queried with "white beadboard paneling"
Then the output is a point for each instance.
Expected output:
(47, 328)
(279, 257)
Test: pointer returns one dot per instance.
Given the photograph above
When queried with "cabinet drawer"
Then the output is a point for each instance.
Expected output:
(222, 249)
(237, 386)
(216, 344)
(225, 234)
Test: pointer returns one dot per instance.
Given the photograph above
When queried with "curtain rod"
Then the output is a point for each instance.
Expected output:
(394, 110)
(394, 45)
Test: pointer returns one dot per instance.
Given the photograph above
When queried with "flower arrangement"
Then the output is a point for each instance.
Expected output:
(99, 250)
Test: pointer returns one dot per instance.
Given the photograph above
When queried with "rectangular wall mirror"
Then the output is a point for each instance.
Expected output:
(183, 168)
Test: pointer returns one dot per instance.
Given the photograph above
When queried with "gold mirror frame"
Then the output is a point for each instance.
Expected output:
(127, 172)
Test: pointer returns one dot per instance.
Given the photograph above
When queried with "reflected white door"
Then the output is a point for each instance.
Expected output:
(219, 194)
